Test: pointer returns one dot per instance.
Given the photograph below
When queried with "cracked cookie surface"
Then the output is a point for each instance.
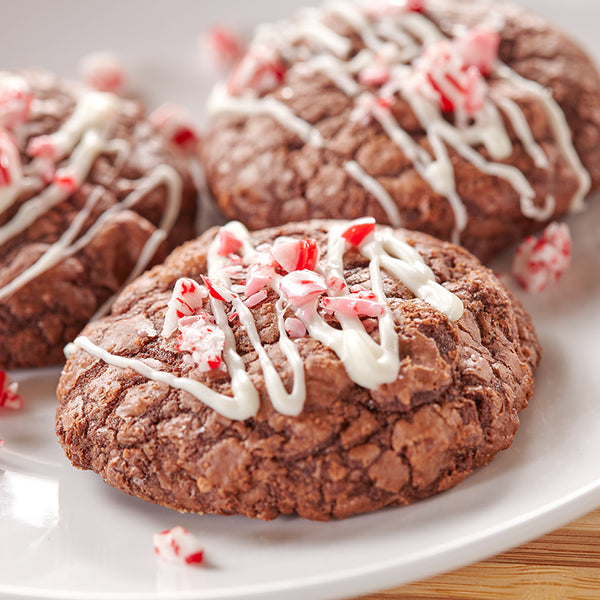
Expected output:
(452, 407)
(90, 194)
(347, 133)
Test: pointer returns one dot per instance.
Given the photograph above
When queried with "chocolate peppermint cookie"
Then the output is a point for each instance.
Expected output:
(91, 193)
(473, 121)
(324, 369)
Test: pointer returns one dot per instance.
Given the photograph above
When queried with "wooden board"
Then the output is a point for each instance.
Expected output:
(564, 564)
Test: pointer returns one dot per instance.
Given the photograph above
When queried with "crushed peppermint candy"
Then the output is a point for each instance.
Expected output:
(177, 125)
(10, 160)
(256, 299)
(375, 9)
(358, 230)
(300, 287)
(296, 255)
(15, 103)
(259, 71)
(220, 47)
(541, 261)
(295, 327)
(178, 545)
(187, 298)
(103, 71)
(452, 72)
(9, 396)
(202, 339)
(356, 303)
(228, 243)
(258, 277)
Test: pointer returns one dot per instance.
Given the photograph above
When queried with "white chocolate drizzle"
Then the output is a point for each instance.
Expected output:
(79, 141)
(367, 362)
(401, 39)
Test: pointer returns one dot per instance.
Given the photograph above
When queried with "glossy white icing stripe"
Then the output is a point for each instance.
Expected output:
(284, 402)
(561, 130)
(57, 251)
(376, 189)
(402, 37)
(221, 101)
(243, 405)
(367, 362)
(161, 175)
(519, 123)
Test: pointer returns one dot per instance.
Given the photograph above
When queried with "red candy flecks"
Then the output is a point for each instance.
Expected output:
(187, 298)
(200, 337)
(178, 545)
(177, 125)
(358, 230)
(15, 106)
(300, 287)
(452, 72)
(295, 255)
(222, 46)
(9, 397)
(356, 303)
(228, 243)
(103, 71)
(10, 159)
(538, 262)
(260, 70)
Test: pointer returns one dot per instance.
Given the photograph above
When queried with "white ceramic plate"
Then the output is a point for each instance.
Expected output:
(65, 534)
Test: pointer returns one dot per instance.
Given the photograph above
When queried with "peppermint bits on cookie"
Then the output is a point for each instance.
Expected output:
(541, 261)
(9, 397)
(178, 545)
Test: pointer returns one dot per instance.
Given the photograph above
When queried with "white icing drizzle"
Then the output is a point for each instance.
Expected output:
(243, 405)
(220, 101)
(517, 119)
(80, 140)
(10, 191)
(394, 38)
(368, 363)
(376, 189)
(562, 133)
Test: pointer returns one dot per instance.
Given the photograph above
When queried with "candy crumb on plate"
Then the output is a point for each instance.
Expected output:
(178, 545)
(103, 71)
(541, 261)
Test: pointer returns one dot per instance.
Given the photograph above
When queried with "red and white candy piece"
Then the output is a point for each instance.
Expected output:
(15, 103)
(103, 71)
(260, 70)
(296, 255)
(376, 9)
(301, 287)
(178, 545)
(360, 303)
(258, 276)
(358, 230)
(452, 72)
(202, 339)
(9, 397)
(10, 161)
(479, 48)
(220, 47)
(187, 299)
(294, 327)
(540, 262)
(228, 242)
(177, 125)
(218, 291)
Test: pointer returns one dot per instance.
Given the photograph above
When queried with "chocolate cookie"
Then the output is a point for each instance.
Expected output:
(323, 369)
(90, 195)
(472, 121)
